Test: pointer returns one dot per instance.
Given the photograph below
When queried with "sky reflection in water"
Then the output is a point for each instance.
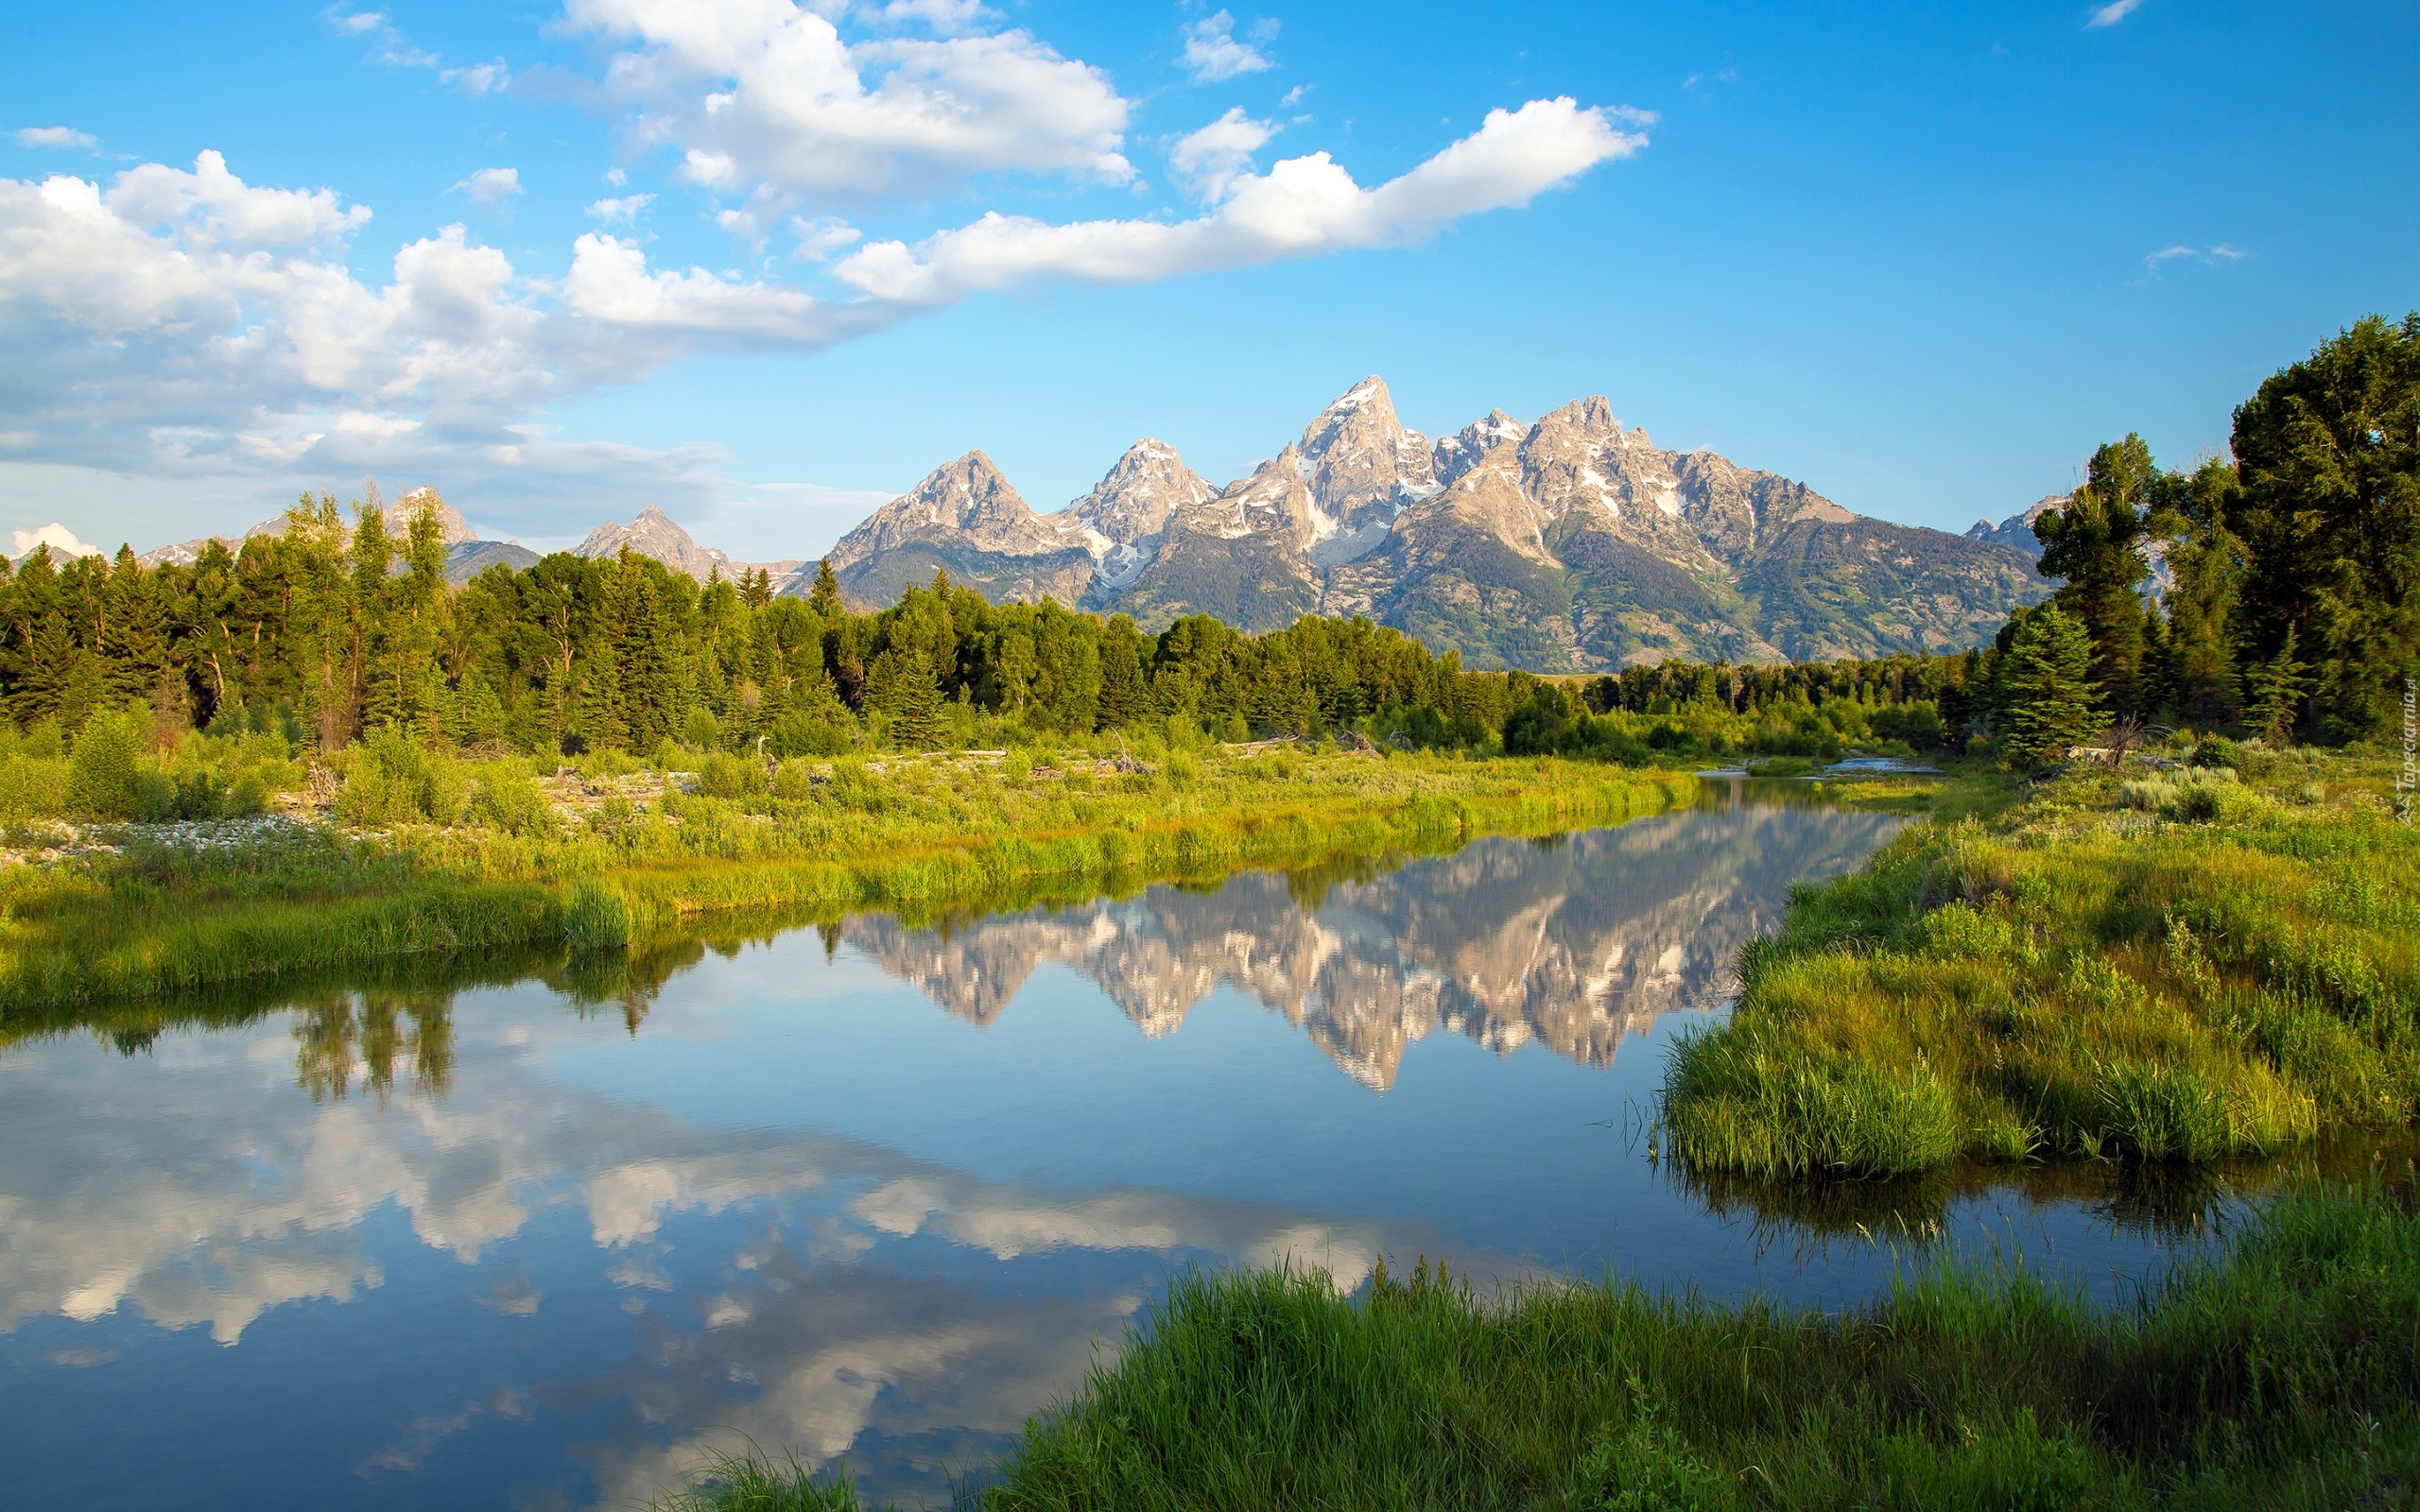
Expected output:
(516, 1246)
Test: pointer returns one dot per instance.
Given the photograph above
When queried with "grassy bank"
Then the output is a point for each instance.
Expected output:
(914, 833)
(2170, 961)
(2279, 1372)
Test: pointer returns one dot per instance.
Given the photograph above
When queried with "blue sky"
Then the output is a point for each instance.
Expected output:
(764, 265)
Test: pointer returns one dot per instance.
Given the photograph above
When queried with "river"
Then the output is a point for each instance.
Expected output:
(880, 1192)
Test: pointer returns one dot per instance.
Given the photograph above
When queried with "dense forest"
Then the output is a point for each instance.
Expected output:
(2290, 612)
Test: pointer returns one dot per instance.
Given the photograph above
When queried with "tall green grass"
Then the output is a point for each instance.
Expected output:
(2280, 1370)
(2165, 967)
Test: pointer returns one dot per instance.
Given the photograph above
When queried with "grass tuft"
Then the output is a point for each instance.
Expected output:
(2275, 1369)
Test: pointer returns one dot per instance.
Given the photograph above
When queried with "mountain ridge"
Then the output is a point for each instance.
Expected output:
(1569, 544)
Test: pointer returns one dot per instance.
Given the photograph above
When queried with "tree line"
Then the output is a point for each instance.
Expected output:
(2290, 612)
(2294, 603)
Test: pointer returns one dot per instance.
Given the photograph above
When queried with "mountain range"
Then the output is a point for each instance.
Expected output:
(1568, 544)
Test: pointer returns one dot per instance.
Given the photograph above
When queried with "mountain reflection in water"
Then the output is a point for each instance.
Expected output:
(534, 1233)
(1572, 940)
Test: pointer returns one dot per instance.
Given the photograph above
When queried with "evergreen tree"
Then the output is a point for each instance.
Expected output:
(2272, 690)
(2050, 688)
(652, 696)
(2328, 450)
(2205, 565)
(2095, 544)
(824, 598)
(915, 698)
(1123, 696)
(2159, 662)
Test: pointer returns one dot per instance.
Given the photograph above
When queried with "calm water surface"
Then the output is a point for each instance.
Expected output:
(873, 1190)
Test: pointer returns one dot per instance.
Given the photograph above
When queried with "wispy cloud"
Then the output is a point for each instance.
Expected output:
(943, 17)
(2113, 13)
(65, 138)
(392, 48)
(1212, 53)
(1211, 158)
(478, 79)
(821, 239)
(493, 186)
(2222, 252)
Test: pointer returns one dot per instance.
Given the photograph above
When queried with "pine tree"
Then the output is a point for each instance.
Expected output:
(1123, 696)
(2205, 565)
(2272, 691)
(2095, 544)
(651, 693)
(915, 700)
(2159, 662)
(2328, 450)
(825, 596)
(2050, 688)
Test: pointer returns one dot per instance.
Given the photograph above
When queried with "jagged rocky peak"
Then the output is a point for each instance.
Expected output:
(2017, 529)
(1274, 500)
(1358, 453)
(652, 534)
(1121, 521)
(969, 501)
(1456, 454)
(456, 530)
(970, 494)
(1573, 459)
(1136, 498)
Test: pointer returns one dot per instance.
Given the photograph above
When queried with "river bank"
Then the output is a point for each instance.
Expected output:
(154, 920)
(2275, 1372)
(2207, 950)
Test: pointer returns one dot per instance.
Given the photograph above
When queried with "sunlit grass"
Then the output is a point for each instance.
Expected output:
(2278, 1372)
(923, 833)
(2110, 965)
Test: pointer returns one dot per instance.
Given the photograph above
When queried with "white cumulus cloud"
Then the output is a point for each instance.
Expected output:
(209, 335)
(2113, 13)
(62, 541)
(764, 95)
(187, 325)
(1212, 53)
(1301, 207)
